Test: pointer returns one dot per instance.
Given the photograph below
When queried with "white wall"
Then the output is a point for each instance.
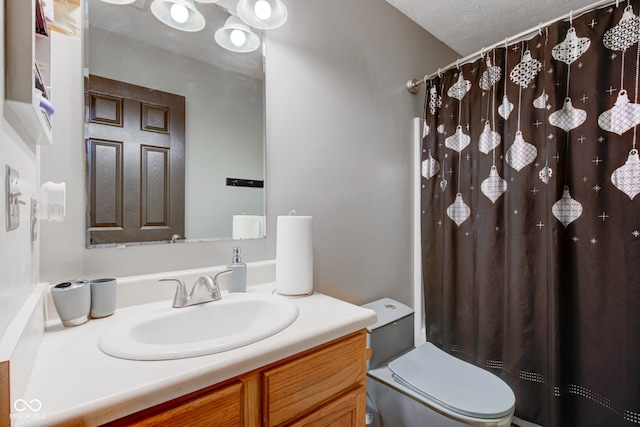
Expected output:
(18, 256)
(338, 148)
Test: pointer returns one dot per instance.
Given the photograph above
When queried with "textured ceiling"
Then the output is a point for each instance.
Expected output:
(467, 26)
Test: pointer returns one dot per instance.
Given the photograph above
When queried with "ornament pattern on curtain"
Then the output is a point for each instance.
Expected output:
(531, 224)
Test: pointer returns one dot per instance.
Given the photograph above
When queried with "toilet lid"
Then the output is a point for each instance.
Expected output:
(453, 383)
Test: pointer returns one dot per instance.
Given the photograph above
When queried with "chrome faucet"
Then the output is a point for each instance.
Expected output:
(205, 289)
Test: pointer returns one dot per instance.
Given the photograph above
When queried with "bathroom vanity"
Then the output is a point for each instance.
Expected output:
(312, 373)
(322, 386)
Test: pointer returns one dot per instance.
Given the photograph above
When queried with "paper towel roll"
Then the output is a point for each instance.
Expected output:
(294, 255)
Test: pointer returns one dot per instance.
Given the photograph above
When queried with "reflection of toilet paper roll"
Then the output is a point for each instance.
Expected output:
(294, 255)
(52, 201)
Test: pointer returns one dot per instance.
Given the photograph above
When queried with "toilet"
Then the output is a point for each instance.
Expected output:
(411, 386)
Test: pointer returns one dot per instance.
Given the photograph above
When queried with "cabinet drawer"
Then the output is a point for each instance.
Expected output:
(220, 407)
(348, 410)
(297, 387)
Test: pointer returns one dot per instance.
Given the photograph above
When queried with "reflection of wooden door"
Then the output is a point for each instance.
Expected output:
(135, 162)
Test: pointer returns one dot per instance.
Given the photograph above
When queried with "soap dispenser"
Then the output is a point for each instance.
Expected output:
(238, 278)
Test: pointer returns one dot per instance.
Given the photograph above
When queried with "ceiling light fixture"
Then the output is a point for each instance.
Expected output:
(236, 36)
(179, 14)
(262, 14)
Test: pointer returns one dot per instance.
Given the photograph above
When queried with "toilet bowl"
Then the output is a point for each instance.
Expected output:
(425, 386)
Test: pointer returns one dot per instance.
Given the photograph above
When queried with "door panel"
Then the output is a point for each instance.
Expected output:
(135, 162)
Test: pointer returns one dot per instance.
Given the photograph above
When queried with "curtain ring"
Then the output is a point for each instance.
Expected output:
(571, 17)
(458, 64)
(617, 3)
(540, 29)
(482, 53)
(439, 74)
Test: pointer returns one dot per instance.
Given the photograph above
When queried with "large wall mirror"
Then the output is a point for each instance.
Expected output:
(156, 98)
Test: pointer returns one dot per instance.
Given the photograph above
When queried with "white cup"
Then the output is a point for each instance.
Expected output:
(103, 297)
(73, 301)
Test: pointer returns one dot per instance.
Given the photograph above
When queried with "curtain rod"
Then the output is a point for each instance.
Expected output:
(413, 85)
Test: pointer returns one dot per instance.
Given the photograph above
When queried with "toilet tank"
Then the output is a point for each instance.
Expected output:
(392, 334)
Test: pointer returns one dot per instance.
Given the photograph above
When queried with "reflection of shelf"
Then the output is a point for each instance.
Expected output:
(23, 47)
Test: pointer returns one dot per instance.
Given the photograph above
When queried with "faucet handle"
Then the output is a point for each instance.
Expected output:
(181, 296)
(215, 278)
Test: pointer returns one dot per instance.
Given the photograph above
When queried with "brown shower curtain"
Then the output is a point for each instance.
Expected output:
(531, 218)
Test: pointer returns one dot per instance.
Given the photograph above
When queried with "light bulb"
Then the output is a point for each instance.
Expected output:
(179, 13)
(237, 37)
(262, 9)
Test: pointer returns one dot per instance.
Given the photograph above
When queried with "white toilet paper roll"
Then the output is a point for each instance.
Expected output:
(294, 255)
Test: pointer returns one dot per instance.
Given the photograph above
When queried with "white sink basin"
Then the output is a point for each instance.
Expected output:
(162, 333)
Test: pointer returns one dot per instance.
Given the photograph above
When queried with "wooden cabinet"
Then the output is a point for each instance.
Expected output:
(309, 381)
(321, 387)
(27, 68)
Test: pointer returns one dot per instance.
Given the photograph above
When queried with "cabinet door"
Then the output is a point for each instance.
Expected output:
(295, 388)
(348, 410)
(221, 408)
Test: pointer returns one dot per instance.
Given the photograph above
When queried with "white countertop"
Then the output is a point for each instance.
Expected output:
(74, 381)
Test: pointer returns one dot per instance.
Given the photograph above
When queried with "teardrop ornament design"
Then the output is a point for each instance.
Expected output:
(541, 102)
(624, 115)
(440, 128)
(568, 117)
(545, 174)
(505, 108)
(488, 139)
(528, 68)
(458, 211)
(567, 209)
(459, 89)
(491, 76)
(627, 177)
(625, 33)
(494, 186)
(425, 129)
(430, 167)
(435, 100)
(571, 48)
(521, 153)
(458, 141)
(443, 184)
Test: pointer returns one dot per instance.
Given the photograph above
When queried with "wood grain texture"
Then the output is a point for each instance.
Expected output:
(5, 393)
(347, 410)
(295, 388)
(221, 407)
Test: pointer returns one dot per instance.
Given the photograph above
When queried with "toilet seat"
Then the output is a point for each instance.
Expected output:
(453, 383)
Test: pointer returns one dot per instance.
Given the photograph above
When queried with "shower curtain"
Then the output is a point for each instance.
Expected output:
(531, 217)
